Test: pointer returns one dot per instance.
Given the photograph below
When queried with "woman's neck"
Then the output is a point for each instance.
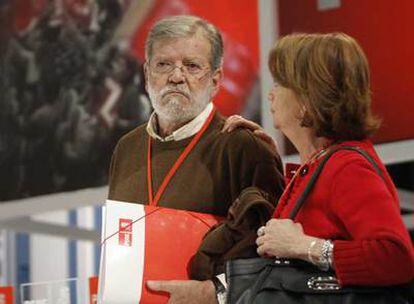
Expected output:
(311, 148)
(308, 144)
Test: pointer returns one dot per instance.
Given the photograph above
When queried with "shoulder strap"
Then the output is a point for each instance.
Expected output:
(301, 200)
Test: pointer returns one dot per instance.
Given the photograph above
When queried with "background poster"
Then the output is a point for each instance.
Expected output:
(72, 83)
(384, 30)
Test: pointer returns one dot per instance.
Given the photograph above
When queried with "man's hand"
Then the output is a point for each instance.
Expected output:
(186, 292)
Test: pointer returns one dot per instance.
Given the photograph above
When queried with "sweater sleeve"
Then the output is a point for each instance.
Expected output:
(379, 251)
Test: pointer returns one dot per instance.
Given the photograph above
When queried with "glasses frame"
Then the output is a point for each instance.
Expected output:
(182, 68)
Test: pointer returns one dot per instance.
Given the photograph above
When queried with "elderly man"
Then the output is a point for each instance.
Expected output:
(182, 160)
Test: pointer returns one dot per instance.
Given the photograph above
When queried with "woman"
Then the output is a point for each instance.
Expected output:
(351, 220)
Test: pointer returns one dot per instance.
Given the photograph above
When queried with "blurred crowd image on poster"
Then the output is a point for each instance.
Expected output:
(72, 83)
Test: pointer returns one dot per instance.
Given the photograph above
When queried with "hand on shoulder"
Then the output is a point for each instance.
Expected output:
(237, 121)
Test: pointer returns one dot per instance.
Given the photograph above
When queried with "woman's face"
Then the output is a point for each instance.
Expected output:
(285, 107)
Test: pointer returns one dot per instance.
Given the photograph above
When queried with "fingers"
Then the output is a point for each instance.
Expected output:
(280, 238)
(278, 222)
(260, 241)
(261, 231)
(236, 121)
(263, 135)
(156, 285)
(167, 286)
(273, 222)
(228, 123)
(232, 123)
(262, 250)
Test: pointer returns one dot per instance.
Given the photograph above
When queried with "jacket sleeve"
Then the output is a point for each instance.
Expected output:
(235, 237)
(255, 172)
(379, 251)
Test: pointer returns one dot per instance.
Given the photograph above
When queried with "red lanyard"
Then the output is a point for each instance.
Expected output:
(153, 201)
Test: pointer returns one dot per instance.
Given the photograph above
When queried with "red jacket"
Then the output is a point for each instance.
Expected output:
(351, 204)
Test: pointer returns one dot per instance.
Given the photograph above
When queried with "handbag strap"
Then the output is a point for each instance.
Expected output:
(301, 200)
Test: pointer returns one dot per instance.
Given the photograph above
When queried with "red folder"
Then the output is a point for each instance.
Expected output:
(166, 239)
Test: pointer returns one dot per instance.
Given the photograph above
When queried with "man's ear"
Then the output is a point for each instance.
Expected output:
(217, 78)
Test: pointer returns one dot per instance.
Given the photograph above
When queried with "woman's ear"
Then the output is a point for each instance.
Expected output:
(302, 112)
(305, 118)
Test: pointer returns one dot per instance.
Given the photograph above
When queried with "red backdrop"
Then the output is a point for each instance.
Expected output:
(238, 22)
(384, 29)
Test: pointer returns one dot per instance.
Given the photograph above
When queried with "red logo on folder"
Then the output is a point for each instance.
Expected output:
(6, 295)
(125, 232)
(93, 290)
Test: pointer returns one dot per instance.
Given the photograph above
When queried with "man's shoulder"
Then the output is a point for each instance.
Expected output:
(133, 136)
(243, 140)
(239, 136)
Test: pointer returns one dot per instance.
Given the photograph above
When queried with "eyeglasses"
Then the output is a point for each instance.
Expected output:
(189, 68)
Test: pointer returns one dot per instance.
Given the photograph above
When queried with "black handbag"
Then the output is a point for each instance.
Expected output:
(285, 281)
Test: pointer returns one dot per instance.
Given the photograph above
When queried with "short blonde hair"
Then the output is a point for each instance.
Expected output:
(330, 75)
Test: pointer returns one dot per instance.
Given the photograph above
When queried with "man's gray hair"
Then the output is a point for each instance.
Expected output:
(183, 26)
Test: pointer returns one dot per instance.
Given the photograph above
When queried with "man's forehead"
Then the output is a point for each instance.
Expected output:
(196, 46)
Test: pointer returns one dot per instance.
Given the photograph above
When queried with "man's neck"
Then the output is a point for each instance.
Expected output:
(166, 127)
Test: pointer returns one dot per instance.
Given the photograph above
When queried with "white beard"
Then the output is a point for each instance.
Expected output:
(177, 108)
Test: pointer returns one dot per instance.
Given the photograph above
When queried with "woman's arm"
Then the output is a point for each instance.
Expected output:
(380, 251)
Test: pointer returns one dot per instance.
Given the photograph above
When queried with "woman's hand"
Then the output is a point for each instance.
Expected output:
(284, 239)
(236, 121)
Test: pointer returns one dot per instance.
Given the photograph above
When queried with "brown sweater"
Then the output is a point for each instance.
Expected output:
(211, 178)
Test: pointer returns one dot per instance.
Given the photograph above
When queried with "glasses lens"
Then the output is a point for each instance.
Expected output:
(188, 68)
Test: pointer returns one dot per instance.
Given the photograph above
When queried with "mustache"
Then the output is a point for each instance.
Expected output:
(168, 90)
